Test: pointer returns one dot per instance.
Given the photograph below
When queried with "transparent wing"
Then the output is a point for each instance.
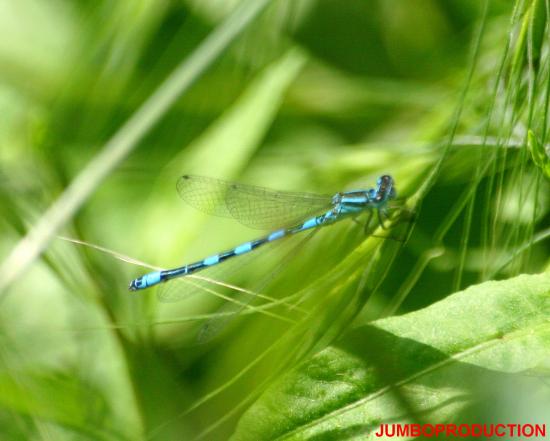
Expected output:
(255, 207)
(230, 310)
(224, 281)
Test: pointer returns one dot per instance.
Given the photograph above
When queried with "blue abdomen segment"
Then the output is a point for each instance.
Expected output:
(276, 235)
(313, 222)
(212, 260)
(244, 248)
(146, 281)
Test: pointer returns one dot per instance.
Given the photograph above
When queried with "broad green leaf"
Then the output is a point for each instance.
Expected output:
(431, 363)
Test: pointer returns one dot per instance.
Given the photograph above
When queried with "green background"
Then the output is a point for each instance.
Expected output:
(308, 95)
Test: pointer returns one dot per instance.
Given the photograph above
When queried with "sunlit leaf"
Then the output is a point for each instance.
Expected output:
(437, 361)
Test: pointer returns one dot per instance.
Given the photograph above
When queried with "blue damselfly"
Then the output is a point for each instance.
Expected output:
(262, 208)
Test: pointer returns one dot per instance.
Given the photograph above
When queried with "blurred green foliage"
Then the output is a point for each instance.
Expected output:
(315, 95)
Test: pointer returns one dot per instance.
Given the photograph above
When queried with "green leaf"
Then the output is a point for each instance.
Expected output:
(537, 27)
(437, 361)
(538, 154)
(531, 37)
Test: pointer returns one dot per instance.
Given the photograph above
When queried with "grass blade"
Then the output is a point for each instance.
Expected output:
(123, 142)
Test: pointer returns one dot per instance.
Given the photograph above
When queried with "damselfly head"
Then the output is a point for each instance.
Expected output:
(386, 187)
(384, 180)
